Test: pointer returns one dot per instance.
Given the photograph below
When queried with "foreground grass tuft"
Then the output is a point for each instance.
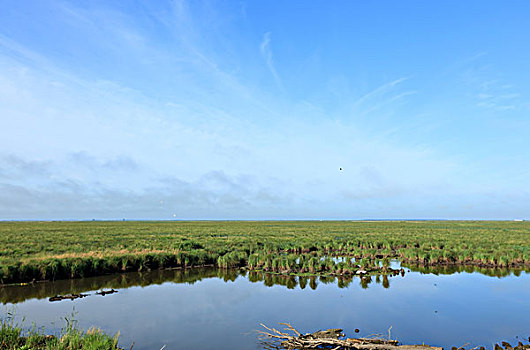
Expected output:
(12, 337)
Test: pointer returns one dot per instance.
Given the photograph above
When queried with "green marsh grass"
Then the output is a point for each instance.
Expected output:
(60, 250)
(13, 337)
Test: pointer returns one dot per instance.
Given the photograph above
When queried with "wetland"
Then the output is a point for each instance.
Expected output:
(204, 285)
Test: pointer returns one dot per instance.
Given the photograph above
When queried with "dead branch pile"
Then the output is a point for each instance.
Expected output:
(290, 338)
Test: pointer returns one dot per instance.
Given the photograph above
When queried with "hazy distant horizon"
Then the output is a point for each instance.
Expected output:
(264, 110)
(257, 220)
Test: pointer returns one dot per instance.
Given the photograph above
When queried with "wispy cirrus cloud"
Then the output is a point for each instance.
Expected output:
(498, 98)
(382, 96)
(266, 52)
(491, 90)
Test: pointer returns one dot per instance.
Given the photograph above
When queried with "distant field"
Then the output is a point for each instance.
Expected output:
(53, 250)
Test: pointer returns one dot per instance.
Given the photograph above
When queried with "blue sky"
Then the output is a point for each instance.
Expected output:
(247, 109)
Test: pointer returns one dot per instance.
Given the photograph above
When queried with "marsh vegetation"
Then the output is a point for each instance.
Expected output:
(56, 250)
(332, 266)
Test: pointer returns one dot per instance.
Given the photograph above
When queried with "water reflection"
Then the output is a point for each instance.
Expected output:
(451, 269)
(41, 290)
(210, 308)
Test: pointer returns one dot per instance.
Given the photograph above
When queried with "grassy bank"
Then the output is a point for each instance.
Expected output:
(13, 337)
(57, 250)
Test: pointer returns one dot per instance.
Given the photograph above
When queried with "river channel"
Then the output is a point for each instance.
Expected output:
(209, 308)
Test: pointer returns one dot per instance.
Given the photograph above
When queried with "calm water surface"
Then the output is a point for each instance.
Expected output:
(211, 309)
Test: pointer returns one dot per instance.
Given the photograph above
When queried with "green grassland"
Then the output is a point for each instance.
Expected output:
(55, 250)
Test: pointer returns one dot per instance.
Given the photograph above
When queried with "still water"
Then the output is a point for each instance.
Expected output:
(215, 309)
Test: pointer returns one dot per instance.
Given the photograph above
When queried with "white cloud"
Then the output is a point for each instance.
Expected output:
(266, 52)
(113, 151)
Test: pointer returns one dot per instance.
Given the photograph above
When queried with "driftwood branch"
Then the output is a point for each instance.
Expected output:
(289, 327)
(329, 339)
